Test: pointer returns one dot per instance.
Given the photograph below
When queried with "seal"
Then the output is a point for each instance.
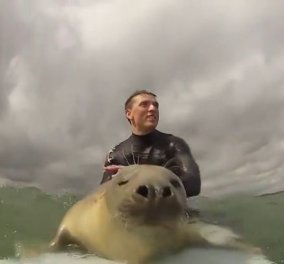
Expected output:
(138, 216)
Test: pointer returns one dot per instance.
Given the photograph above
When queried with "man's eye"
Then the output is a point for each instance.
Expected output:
(156, 104)
(144, 104)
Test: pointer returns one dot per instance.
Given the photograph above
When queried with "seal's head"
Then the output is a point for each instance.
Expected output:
(147, 194)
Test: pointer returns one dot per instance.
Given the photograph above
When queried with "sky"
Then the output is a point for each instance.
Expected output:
(66, 68)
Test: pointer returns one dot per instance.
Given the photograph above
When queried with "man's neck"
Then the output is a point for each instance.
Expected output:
(142, 133)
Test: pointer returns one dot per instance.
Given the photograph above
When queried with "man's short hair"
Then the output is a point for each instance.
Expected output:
(128, 102)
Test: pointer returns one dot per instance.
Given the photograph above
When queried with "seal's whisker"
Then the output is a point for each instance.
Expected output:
(132, 152)
(173, 167)
(166, 163)
(125, 157)
(116, 215)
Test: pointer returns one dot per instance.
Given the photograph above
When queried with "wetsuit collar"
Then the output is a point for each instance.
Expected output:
(148, 138)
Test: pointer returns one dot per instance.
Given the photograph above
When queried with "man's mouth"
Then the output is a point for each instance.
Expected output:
(151, 117)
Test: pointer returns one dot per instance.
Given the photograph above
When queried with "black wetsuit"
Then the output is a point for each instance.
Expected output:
(161, 149)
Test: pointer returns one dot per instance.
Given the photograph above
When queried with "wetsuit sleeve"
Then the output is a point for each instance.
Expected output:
(184, 165)
(108, 161)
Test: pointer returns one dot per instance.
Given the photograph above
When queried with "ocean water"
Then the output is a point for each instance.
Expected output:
(29, 219)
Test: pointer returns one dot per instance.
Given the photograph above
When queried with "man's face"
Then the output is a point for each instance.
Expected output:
(144, 113)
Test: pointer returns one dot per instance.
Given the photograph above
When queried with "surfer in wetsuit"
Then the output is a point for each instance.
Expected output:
(147, 145)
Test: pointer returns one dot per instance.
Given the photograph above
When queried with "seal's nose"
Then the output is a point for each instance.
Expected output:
(165, 192)
(149, 191)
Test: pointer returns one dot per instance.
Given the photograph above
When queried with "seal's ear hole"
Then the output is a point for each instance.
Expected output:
(122, 183)
(175, 183)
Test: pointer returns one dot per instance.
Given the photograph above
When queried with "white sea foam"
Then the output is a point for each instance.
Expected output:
(192, 256)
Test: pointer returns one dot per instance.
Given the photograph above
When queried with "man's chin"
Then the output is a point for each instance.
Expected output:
(150, 126)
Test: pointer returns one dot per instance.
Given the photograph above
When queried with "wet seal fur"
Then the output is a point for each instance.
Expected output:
(137, 216)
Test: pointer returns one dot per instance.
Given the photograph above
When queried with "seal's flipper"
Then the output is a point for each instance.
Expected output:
(217, 235)
(64, 240)
(225, 237)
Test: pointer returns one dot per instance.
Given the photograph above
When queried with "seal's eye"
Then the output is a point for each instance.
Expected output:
(122, 183)
(175, 183)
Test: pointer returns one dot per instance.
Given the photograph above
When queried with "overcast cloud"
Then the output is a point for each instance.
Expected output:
(66, 68)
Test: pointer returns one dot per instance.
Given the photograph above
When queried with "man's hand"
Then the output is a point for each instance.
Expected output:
(113, 169)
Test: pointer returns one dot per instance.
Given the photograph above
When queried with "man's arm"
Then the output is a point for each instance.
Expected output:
(107, 174)
(109, 161)
(184, 165)
(110, 166)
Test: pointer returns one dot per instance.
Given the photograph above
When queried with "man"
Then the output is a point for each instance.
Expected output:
(147, 145)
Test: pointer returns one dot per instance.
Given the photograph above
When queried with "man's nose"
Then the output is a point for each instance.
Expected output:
(152, 107)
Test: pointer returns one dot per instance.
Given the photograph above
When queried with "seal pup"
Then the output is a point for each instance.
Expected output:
(137, 216)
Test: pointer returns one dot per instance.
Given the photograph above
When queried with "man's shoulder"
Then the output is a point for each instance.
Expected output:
(120, 145)
(170, 137)
(163, 135)
(113, 154)
(173, 141)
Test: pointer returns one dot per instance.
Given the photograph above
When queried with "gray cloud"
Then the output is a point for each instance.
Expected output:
(67, 67)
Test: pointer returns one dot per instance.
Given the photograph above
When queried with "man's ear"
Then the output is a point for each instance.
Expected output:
(128, 114)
